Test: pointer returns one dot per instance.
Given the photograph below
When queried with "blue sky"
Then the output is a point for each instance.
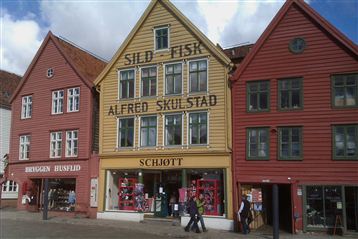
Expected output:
(24, 23)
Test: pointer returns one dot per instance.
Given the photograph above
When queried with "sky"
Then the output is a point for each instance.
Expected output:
(100, 26)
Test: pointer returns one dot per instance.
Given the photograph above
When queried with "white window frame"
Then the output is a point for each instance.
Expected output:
(165, 133)
(24, 147)
(155, 29)
(75, 97)
(207, 128)
(119, 97)
(26, 107)
(50, 72)
(207, 76)
(118, 133)
(156, 83)
(140, 132)
(57, 99)
(165, 79)
(56, 144)
(7, 184)
(70, 142)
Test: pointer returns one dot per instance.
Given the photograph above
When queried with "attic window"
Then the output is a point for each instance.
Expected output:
(49, 72)
(297, 45)
(161, 38)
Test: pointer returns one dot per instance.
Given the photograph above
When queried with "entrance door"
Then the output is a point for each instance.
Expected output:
(351, 194)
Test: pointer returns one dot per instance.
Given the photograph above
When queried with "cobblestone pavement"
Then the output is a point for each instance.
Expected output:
(24, 224)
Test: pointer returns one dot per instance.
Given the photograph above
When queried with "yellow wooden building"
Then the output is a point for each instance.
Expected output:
(165, 123)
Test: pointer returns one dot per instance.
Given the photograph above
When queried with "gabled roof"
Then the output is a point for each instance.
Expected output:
(85, 65)
(171, 8)
(315, 17)
(8, 84)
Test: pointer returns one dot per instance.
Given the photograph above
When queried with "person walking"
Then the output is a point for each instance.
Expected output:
(193, 211)
(200, 205)
(244, 212)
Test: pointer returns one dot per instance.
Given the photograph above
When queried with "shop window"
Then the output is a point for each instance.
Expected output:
(72, 143)
(126, 132)
(26, 109)
(290, 94)
(198, 76)
(173, 129)
(148, 131)
(56, 145)
(73, 99)
(127, 84)
(24, 150)
(198, 128)
(149, 81)
(345, 90)
(258, 143)
(290, 142)
(173, 79)
(345, 141)
(161, 38)
(57, 101)
(258, 96)
(62, 194)
(323, 205)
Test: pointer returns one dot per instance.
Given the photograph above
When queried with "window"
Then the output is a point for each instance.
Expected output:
(26, 111)
(290, 94)
(173, 79)
(297, 45)
(345, 142)
(24, 151)
(73, 99)
(258, 96)
(49, 73)
(148, 131)
(57, 102)
(345, 88)
(258, 143)
(198, 74)
(10, 186)
(126, 82)
(161, 38)
(149, 81)
(55, 145)
(290, 143)
(126, 132)
(173, 129)
(72, 143)
(198, 128)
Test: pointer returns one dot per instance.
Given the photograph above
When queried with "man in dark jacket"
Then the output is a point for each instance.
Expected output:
(244, 212)
(193, 211)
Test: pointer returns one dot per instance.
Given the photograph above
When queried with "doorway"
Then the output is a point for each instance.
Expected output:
(351, 194)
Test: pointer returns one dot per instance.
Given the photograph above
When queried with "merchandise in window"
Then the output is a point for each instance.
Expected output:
(61, 195)
(24, 150)
(161, 38)
(173, 129)
(126, 82)
(149, 81)
(198, 74)
(258, 143)
(148, 131)
(72, 143)
(73, 99)
(290, 94)
(198, 128)
(173, 79)
(126, 132)
(56, 145)
(345, 90)
(345, 141)
(290, 142)
(258, 96)
(26, 109)
(57, 102)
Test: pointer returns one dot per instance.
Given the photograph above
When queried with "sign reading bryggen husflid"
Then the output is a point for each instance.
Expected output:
(165, 126)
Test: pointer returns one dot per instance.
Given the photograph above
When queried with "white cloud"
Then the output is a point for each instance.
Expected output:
(20, 40)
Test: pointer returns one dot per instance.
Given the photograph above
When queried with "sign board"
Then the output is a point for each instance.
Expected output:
(94, 192)
(55, 168)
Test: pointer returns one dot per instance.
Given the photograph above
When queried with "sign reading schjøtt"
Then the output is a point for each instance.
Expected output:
(55, 168)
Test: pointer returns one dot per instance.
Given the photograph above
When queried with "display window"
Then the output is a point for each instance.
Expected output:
(62, 194)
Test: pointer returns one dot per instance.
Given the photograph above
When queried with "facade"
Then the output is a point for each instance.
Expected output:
(295, 124)
(165, 122)
(8, 83)
(53, 117)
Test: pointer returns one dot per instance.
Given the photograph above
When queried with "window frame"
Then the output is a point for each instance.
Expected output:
(147, 78)
(301, 94)
(344, 158)
(333, 91)
(258, 99)
(74, 97)
(50, 72)
(140, 131)
(26, 108)
(248, 157)
(189, 142)
(279, 141)
(56, 140)
(165, 78)
(119, 133)
(72, 139)
(155, 29)
(26, 146)
(120, 97)
(57, 99)
(6, 186)
(207, 76)
(165, 130)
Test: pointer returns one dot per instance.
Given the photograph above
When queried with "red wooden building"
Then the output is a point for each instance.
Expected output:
(53, 129)
(295, 124)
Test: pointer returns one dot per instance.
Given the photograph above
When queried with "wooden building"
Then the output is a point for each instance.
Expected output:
(165, 124)
(295, 123)
(52, 136)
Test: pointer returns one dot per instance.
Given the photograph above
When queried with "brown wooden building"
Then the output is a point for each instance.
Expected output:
(52, 133)
(295, 123)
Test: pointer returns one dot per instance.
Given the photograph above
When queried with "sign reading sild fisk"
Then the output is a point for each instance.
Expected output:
(162, 105)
